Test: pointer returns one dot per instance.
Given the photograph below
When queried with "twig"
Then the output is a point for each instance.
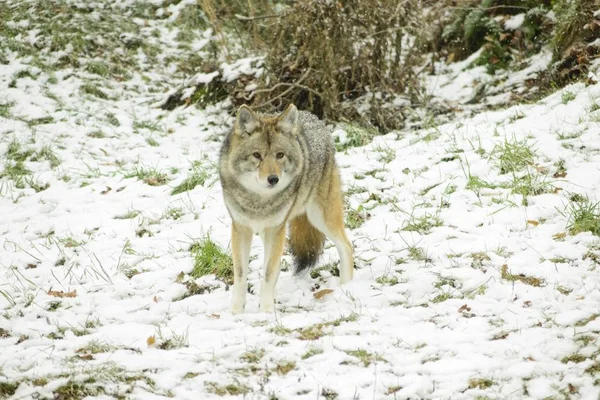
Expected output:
(289, 89)
(489, 8)
(245, 18)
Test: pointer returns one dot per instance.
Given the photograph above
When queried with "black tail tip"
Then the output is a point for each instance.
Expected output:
(304, 262)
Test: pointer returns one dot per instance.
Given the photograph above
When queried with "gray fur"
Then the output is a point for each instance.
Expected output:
(310, 153)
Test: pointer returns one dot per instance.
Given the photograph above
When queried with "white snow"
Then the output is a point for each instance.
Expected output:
(427, 315)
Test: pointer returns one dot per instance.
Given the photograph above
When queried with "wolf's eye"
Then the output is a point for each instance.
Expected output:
(279, 155)
(256, 155)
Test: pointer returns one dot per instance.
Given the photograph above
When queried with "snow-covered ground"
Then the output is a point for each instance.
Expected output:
(470, 282)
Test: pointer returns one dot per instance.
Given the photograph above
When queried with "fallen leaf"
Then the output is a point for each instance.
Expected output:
(86, 357)
(464, 307)
(30, 266)
(155, 299)
(120, 189)
(527, 304)
(151, 340)
(573, 389)
(322, 293)
(533, 222)
(560, 235)
(560, 174)
(180, 277)
(61, 294)
(214, 316)
(108, 189)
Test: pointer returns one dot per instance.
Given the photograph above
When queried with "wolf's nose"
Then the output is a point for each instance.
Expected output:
(272, 179)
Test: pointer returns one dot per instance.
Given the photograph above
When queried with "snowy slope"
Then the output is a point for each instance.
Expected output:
(469, 282)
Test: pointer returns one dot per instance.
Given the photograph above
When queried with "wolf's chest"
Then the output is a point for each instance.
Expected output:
(258, 221)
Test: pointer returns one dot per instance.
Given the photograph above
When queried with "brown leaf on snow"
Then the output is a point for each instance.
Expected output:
(61, 294)
(464, 307)
(155, 299)
(151, 340)
(533, 222)
(180, 277)
(86, 357)
(214, 316)
(322, 293)
(560, 235)
(105, 191)
(560, 174)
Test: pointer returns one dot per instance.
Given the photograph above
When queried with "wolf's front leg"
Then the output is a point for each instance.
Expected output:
(273, 240)
(241, 239)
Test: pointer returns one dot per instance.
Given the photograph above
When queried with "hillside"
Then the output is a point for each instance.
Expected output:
(476, 234)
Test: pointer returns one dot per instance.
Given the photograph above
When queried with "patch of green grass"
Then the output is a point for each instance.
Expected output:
(355, 217)
(513, 155)
(197, 177)
(93, 91)
(424, 224)
(15, 152)
(387, 279)
(98, 68)
(329, 394)
(112, 119)
(15, 170)
(593, 369)
(152, 126)
(95, 347)
(365, 357)
(311, 352)
(129, 215)
(530, 184)
(574, 358)
(173, 213)
(284, 367)
(253, 356)
(570, 135)
(191, 17)
(480, 383)
(210, 258)
(386, 154)
(356, 136)
(152, 142)
(40, 121)
(567, 96)
(150, 176)
(587, 320)
(528, 280)
(418, 254)
(73, 390)
(5, 110)
(96, 134)
(583, 216)
(440, 298)
(7, 389)
(47, 153)
(232, 389)
(393, 389)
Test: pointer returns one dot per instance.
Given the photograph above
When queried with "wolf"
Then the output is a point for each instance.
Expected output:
(278, 171)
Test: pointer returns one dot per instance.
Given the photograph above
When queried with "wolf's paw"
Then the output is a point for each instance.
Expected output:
(237, 307)
(267, 306)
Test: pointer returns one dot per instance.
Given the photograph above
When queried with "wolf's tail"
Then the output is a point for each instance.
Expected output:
(306, 243)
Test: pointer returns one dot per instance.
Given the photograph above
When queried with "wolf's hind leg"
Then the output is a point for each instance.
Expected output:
(330, 221)
(273, 240)
(241, 239)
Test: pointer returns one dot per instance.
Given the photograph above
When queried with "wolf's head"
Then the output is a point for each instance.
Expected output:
(265, 155)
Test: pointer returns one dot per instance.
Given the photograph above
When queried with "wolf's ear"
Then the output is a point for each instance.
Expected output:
(288, 121)
(245, 121)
